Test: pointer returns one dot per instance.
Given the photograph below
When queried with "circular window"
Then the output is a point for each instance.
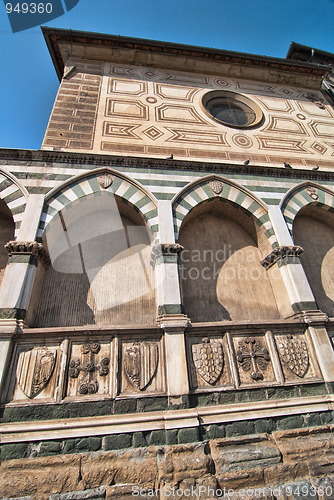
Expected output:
(231, 109)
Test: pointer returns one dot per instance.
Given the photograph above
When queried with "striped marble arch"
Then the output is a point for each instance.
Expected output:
(87, 184)
(307, 193)
(14, 195)
(215, 186)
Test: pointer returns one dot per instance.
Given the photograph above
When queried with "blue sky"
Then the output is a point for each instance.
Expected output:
(28, 83)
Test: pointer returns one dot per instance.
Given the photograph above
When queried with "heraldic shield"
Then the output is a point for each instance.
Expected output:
(141, 363)
(208, 358)
(34, 370)
(294, 354)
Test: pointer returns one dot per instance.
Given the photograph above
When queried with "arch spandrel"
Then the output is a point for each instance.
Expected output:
(14, 196)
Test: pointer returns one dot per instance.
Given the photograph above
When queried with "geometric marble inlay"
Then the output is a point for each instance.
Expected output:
(153, 133)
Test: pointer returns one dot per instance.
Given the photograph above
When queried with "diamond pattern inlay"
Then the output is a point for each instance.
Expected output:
(153, 133)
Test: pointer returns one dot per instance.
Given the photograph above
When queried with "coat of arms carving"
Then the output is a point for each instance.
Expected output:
(312, 192)
(105, 180)
(141, 363)
(34, 370)
(216, 186)
(208, 358)
(294, 354)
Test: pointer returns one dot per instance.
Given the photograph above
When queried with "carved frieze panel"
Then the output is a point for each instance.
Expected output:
(285, 125)
(297, 357)
(254, 361)
(34, 373)
(175, 92)
(208, 362)
(141, 365)
(89, 369)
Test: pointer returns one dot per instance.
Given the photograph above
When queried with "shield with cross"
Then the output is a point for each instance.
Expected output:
(253, 356)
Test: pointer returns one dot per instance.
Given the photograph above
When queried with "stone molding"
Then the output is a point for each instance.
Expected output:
(311, 317)
(280, 253)
(173, 322)
(174, 419)
(95, 159)
(29, 248)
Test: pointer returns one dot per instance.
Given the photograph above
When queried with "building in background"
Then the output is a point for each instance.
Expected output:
(167, 308)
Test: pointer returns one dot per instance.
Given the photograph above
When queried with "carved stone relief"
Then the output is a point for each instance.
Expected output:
(312, 192)
(208, 358)
(294, 354)
(141, 363)
(216, 186)
(34, 370)
(89, 371)
(29, 248)
(105, 180)
(252, 357)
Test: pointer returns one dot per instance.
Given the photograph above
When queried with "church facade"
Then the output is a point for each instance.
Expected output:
(167, 283)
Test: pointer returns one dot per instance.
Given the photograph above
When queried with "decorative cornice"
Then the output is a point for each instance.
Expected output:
(98, 160)
(29, 248)
(280, 253)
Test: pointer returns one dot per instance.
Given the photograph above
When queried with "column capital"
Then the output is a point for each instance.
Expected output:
(280, 253)
(29, 248)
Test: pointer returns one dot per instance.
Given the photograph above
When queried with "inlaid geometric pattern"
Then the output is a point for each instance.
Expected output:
(200, 190)
(14, 196)
(199, 137)
(126, 109)
(118, 130)
(288, 125)
(302, 195)
(153, 133)
(319, 148)
(126, 87)
(125, 188)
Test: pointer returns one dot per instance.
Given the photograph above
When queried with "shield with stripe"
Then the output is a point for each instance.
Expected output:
(141, 363)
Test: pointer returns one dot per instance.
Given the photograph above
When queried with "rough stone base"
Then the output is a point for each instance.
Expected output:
(300, 462)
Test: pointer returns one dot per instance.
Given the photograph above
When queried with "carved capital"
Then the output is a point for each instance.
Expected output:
(164, 250)
(280, 253)
(29, 248)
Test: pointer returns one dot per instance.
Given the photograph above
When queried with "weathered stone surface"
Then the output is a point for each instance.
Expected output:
(96, 494)
(117, 441)
(232, 454)
(306, 445)
(120, 467)
(41, 476)
(185, 461)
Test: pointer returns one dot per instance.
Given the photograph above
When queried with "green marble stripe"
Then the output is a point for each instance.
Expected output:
(92, 181)
(145, 200)
(18, 224)
(130, 192)
(195, 196)
(271, 201)
(170, 309)
(155, 228)
(306, 197)
(18, 210)
(291, 210)
(288, 220)
(269, 232)
(5, 184)
(185, 204)
(321, 196)
(297, 201)
(61, 198)
(267, 189)
(12, 313)
(116, 184)
(290, 259)
(178, 215)
(23, 259)
(77, 190)
(50, 210)
(240, 198)
(206, 188)
(253, 207)
(304, 306)
(262, 220)
(169, 183)
(13, 196)
(164, 196)
(151, 214)
(38, 190)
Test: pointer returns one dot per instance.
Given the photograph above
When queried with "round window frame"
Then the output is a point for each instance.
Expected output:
(219, 94)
